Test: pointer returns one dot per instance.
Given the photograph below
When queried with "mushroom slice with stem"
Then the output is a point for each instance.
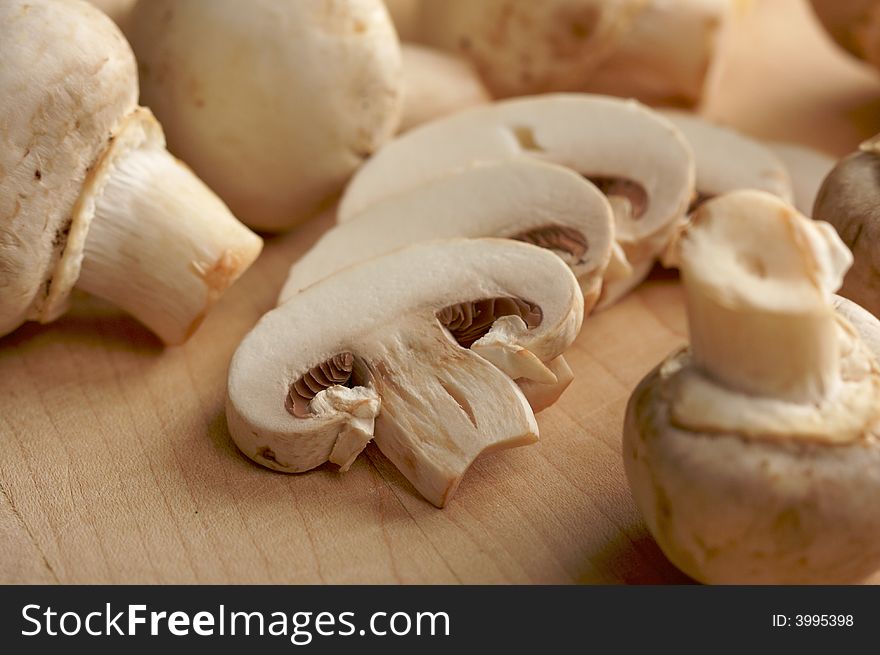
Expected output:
(544, 204)
(432, 336)
(639, 158)
(807, 169)
(89, 196)
(849, 199)
(754, 455)
(435, 84)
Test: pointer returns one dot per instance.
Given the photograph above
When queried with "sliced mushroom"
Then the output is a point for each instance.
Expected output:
(436, 403)
(274, 104)
(754, 455)
(807, 169)
(727, 160)
(547, 205)
(89, 196)
(436, 84)
(849, 199)
(635, 154)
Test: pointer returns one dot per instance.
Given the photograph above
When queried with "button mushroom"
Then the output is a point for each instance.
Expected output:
(89, 197)
(849, 199)
(807, 169)
(418, 348)
(658, 51)
(639, 159)
(435, 84)
(727, 160)
(754, 455)
(274, 104)
(544, 204)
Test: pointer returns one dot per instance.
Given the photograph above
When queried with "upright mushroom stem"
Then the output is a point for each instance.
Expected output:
(758, 279)
(161, 245)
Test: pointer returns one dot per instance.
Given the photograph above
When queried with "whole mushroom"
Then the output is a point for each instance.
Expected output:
(274, 104)
(89, 196)
(754, 455)
(419, 348)
(657, 51)
(849, 199)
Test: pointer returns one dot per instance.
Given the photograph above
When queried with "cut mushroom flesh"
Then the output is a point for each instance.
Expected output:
(433, 404)
(727, 160)
(620, 144)
(543, 204)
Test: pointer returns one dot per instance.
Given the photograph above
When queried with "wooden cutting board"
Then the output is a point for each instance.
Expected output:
(116, 466)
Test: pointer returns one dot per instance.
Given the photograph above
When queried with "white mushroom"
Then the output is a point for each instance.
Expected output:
(754, 456)
(544, 204)
(639, 159)
(651, 49)
(418, 348)
(849, 199)
(274, 104)
(727, 160)
(89, 197)
(807, 169)
(435, 84)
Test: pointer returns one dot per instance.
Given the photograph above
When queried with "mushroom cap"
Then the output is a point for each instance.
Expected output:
(524, 199)
(442, 404)
(273, 104)
(727, 160)
(67, 104)
(596, 136)
(849, 199)
(729, 510)
(807, 169)
(436, 84)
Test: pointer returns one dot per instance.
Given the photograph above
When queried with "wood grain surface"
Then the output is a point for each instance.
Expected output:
(116, 465)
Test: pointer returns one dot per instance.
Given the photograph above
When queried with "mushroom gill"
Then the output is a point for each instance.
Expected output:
(559, 238)
(469, 321)
(335, 371)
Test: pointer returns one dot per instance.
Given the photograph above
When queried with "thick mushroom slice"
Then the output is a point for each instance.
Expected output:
(435, 84)
(849, 199)
(727, 160)
(754, 455)
(636, 157)
(807, 169)
(544, 204)
(418, 349)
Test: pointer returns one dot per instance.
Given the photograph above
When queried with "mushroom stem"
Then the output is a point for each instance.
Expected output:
(161, 245)
(758, 279)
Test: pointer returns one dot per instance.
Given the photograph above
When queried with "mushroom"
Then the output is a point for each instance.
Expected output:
(754, 455)
(274, 104)
(436, 84)
(636, 157)
(657, 51)
(418, 349)
(854, 24)
(807, 169)
(849, 199)
(547, 205)
(544, 204)
(89, 197)
(727, 160)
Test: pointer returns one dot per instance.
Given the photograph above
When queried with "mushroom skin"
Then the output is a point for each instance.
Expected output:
(658, 52)
(849, 199)
(435, 84)
(274, 104)
(89, 197)
(432, 404)
(649, 187)
(749, 486)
